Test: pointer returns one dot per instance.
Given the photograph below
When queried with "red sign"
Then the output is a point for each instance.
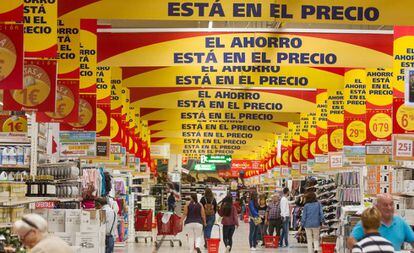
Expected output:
(103, 120)
(67, 103)
(14, 14)
(45, 205)
(39, 92)
(11, 56)
(87, 115)
(403, 117)
(116, 122)
(379, 125)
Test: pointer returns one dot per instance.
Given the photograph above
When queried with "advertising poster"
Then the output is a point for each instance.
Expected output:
(68, 48)
(40, 28)
(77, 144)
(321, 122)
(11, 56)
(232, 48)
(87, 56)
(369, 12)
(103, 120)
(11, 10)
(67, 103)
(39, 91)
(87, 115)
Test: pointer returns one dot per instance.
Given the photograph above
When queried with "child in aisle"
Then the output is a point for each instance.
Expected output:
(373, 242)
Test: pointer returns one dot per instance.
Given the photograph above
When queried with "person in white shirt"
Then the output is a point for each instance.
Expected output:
(32, 232)
(285, 214)
(111, 221)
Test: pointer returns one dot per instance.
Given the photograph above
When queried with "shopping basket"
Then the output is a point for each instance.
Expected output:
(328, 247)
(168, 227)
(328, 244)
(213, 244)
(143, 223)
(271, 241)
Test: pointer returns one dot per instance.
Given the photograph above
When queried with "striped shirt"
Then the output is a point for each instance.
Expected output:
(373, 243)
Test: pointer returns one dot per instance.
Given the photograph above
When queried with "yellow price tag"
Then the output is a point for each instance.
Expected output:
(337, 138)
(356, 131)
(380, 125)
(405, 117)
(15, 124)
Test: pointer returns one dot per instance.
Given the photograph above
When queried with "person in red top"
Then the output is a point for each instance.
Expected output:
(230, 221)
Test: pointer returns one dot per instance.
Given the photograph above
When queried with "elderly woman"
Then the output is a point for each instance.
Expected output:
(32, 231)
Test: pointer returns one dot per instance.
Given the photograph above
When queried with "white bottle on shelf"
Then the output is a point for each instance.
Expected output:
(20, 156)
(5, 156)
(12, 156)
(26, 160)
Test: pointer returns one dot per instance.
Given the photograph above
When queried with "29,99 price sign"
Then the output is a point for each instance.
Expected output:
(403, 147)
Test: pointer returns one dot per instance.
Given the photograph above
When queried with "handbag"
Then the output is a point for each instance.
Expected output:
(256, 220)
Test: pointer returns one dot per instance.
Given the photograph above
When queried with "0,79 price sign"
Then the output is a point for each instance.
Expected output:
(403, 147)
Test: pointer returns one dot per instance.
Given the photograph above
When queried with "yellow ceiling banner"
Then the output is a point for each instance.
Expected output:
(322, 122)
(368, 12)
(40, 28)
(103, 84)
(403, 59)
(335, 119)
(181, 115)
(116, 89)
(354, 107)
(379, 89)
(68, 48)
(233, 100)
(249, 126)
(88, 53)
(239, 76)
(270, 49)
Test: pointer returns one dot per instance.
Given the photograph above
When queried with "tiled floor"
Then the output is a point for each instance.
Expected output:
(241, 244)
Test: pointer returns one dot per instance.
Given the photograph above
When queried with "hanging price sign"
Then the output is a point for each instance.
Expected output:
(336, 138)
(403, 117)
(380, 125)
(355, 131)
(403, 147)
(335, 160)
(15, 124)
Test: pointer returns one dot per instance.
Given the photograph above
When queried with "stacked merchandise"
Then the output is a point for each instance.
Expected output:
(122, 199)
(160, 194)
(81, 229)
(348, 219)
(326, 192)
(349, 188)
(140, 188)
(379, 180)
(403, 192)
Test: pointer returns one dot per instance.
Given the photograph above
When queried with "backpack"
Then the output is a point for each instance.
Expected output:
(209, 208)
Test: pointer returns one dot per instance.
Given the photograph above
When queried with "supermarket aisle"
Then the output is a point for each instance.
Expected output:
(241, 244)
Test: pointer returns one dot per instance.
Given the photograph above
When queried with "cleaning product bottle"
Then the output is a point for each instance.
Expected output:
(12, 156)
(19, 155)
(5, 156)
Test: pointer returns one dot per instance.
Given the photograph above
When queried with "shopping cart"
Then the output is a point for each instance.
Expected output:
(143, 224)
(167, 229)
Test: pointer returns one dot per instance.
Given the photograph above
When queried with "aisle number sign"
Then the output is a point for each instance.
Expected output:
(215, 159)
(368, 12)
